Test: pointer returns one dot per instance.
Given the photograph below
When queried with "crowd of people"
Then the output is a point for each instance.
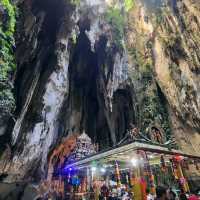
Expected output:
(162, 193)
(168, 194)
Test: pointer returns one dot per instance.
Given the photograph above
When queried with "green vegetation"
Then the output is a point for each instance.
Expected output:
(10, 9)
(115, 18)
(7, 61)
(159, 18)
(129, 4)
(152, 108)
(143, 62)
(74, 38)
(76, 2)
(7, 40)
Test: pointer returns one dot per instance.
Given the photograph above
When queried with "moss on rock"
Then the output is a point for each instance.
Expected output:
(152, 108)
(7, 60)
(116, 19)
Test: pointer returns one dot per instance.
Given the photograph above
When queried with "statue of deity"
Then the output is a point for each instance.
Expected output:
(134, 132)
(156, 135)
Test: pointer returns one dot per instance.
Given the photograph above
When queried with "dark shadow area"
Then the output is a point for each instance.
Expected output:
(84, 97)
(123, 112)
(54, 10)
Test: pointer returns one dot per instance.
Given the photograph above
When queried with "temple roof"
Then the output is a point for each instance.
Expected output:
(85, 137)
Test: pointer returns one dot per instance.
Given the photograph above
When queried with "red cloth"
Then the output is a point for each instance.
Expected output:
(143, 188)
(193, 197)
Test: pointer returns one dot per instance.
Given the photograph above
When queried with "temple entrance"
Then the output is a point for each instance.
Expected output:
(130, 170)
(72, 148)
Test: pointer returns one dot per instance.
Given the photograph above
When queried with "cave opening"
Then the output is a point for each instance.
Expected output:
(123, 112)
(89, 74)
(54, 11)
(85, 70)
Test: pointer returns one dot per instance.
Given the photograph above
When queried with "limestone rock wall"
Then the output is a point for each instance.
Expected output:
(69, 65)
(163, 50)
(99, 66)
(176, 57)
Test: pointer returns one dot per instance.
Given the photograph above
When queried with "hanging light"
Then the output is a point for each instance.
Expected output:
(151, 156)
(134, 162)
(103, 170)
(93, 169)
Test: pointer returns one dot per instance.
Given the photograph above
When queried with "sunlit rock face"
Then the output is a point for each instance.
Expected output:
(172, 36)
(176, 55)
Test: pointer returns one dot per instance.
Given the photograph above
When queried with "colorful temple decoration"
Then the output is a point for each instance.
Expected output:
(136, 188)
(72, 148)
(163, 165)
(129, 170)
(83, 148)
(157, 136)
(151, 176)
(178, 173)
(147, 170)
(117, 174)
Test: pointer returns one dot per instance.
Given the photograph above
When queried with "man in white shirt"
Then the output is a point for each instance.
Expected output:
(149, 195)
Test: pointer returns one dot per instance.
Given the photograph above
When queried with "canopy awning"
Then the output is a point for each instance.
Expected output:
(128, 148)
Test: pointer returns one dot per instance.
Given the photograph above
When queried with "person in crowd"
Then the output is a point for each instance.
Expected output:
(150, 196)
(171, 194)
(113, 195)
(119, 192)
(104, 192)
(161, 193)
(130, 193)
(182, 195)
(92, 193)
(96, 192)
(124, 195)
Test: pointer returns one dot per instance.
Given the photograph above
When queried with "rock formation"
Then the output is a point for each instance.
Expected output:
(97, 66)
(162, 43)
